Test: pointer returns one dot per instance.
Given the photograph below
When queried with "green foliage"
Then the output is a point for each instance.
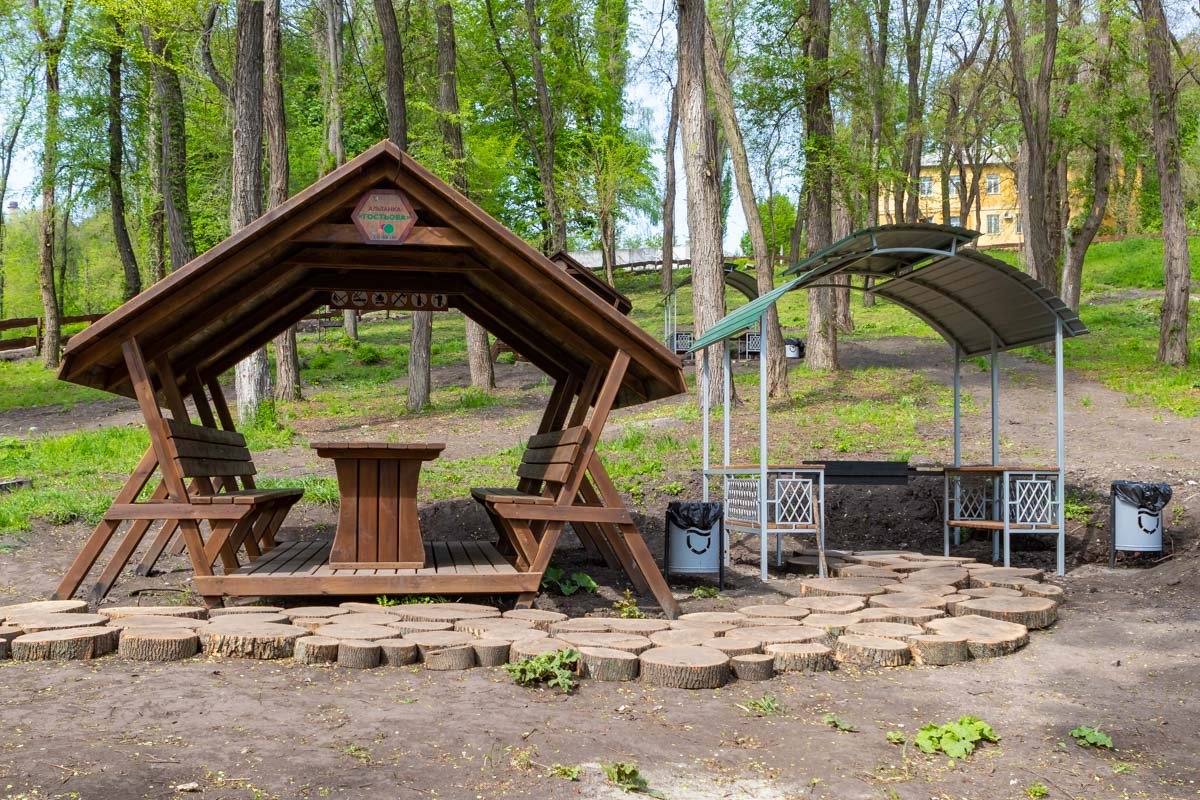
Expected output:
(628, 777)
(955, 739)
(555, 669)
(706, 593)
(766, 706)
(1077, 509)
(1122, 768)
(627, 607)
(386, 602)
(778, 221)
(1036, 790)
(896, 737)
(1087, 736)
(564, 771)
(838, 724)
(421, 599)
(555, 579)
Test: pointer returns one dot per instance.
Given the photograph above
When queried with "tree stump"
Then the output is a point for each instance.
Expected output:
(343, 631)
(450, 658)
(397, 652)
(226, 611)
(311, 624)
(907, 600)
(908, 587)
(753, 666)
(580, 625)
(909, 616)
(531, 648)
(954, 576)
(432, 641)
(491, 652)
(733, 646)
(352, 607)
(1032, 612)
(795, 634)
(865, 571)
(1005, 577)
(712, 628)
(800, 657)
(640, 627)
(886, 630)
(38, 623)
(269, 618)
(64, 644)
(986, 637)
(158, 644)
(406, 626)
(315, 612)
(484, 627)
(829, 604)
(443, 612)
(170, 623)
(681, 637)
(779, 611)
(685, 667)
(356, 618)
(9, 632)
(43, 607)
(730, 618)
(769, 622)
(628, 642)
(991, 591)
(835, 624)
(358, 654)
(810, 565)
(316, 650)
(1046, 590)
(541, 619)
(834, 587)
(871, 651)
(938, 649)
(607, 664)
(189, 612)
(251, 640)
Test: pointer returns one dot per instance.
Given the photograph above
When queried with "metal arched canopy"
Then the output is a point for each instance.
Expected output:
(734, 278)
(974, 301)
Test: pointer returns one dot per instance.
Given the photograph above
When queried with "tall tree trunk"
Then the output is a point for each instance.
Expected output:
(1173, 325)
(764, 262)
(65, 208)
(331, 42)
(703, 186)
(394, 97)
(253, 374)
(842, 225)
(116, 147)
(914, 41)
(558, 221)
(174, 150)
(287, 359)
(479, 351)
(668, 209)
(821, 344)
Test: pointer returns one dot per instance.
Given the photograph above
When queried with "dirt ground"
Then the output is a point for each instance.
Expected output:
(1124, 657)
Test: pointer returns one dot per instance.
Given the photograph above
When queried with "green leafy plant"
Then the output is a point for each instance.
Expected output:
(706, 593)
(386, 602)
(556, 579)
(955, 739)
(555, 669)
(837, 723)
(628, 777)
(1036, 790)
(627, 607)
(564, 771)
(1087, 736)
(766, 706)
(896, 737)
(1121, 768)
(421, 599)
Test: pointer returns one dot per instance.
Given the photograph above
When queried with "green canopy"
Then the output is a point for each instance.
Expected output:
(743, 317)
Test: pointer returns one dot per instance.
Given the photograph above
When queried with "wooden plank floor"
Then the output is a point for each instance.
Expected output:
(290, 559)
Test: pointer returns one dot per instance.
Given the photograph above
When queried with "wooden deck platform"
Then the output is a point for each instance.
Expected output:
(302, 568)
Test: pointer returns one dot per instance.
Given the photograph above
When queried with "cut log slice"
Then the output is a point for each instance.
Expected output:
(482, 627)
(258, 640)
(174, 623)
(769, 622)
(986, 637)
(685, 667)
(882, 561)
(451, 658)
(801, 657)
(907, 600)
(952, 601)
(352, 607)
(608, 664)
(886, 630)
(629, 642)
(443, 612)
(753, 666)
(855, 587)
(64, 644)
(829, 604)
(865, 571)
(158, 644)
(432, 641)
(43, 607)
(906, 587)
(733, 646)
(37, 623)
(314, 612)
(953, 576)
(358, 654)
(511, 635)
(7, 634)
(1017, 584)
(213, 613)
(909, 616)
(1008, 573)
(397, 652)
(681, 637)
(713, 628)
(311, 624)
(910, 565)
(641, 627)
(370, 633)
(491, 652)
(541, 619)
(316, 650)
(273, 618)
(871, 651)
(118, 612)
(779, 611)
(531, 648)
(406, 626)
(938, 649)
(709, 617)
(835, 624)
(1032, 612)
(580, 625)
(810, 565)
(989, 591)
(356, 618)
(1046, 590)
(795, 634)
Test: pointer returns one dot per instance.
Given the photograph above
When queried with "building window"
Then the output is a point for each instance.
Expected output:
(926, 187)
(993, 183)
(956, 221)
(993, 224)
(955, 183)
(1018, 224)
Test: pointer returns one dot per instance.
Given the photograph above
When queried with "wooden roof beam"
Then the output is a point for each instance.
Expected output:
(348, 233)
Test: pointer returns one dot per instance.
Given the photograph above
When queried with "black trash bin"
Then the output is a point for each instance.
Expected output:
(1135, 517)
(694, 540)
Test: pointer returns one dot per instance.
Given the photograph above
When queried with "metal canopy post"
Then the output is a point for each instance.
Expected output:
(999, 487)
(762, 450)
(704, 411)
(1061, 445)
(957, 440)
(726, 396)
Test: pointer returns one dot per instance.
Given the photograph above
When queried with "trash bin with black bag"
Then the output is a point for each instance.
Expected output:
(1135, 517)
(694, 540)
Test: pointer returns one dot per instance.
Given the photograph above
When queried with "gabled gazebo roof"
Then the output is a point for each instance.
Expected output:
(239, 295)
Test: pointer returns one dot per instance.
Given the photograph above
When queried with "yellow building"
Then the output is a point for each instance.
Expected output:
(995, 215)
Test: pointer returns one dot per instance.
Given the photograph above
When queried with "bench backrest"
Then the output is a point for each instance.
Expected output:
(201, 452)
(554, 458)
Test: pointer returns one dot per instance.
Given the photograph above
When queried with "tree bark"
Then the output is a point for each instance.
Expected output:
(843, 318)
(668, 213)
(914, 41)
(253, 374)
(116, 147)
(174, 150)
(394, 97)
(558, 221)
(764, 262)
(821, 343)
(1173, 325)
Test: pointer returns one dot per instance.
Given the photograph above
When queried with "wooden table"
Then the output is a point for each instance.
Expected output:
(377, 483)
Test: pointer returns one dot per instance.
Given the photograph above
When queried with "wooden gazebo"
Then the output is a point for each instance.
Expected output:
(379, 232)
